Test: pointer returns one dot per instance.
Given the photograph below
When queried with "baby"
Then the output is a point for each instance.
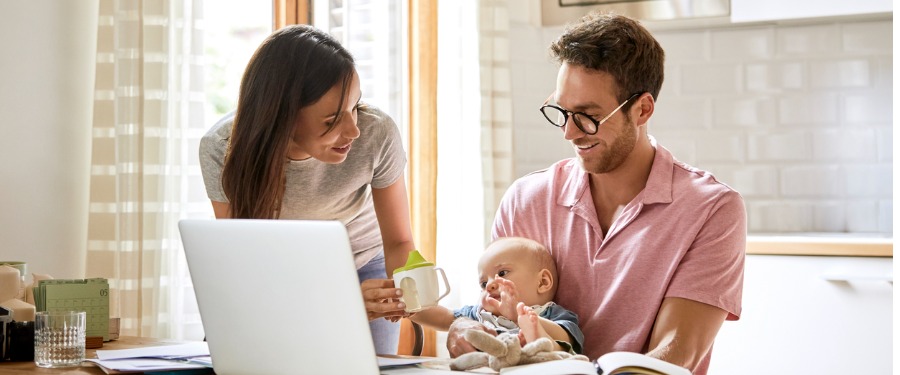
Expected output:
(518, 281)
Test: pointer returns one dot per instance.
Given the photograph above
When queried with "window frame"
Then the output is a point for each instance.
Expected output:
(421, 126)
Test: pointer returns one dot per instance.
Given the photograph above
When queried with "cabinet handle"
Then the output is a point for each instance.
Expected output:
(847, 278)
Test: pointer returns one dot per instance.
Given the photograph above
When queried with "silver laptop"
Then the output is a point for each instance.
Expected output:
(278, 297)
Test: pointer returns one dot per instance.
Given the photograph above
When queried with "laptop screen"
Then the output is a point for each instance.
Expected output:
(278, 296)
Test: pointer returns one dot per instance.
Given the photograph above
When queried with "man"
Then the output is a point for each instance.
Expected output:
(650, 251)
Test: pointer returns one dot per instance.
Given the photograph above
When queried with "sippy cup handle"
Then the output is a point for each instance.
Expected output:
(446, 283)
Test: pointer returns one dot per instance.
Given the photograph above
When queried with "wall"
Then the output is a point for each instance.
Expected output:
(46, 87)
(796, 115)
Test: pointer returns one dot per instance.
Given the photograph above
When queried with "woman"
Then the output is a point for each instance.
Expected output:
(301, 146)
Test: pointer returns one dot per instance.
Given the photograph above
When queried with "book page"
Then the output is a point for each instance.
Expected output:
(558, 367)
(635, 370)
(621, 362)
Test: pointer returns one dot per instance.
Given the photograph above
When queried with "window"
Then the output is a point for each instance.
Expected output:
(233, 29)
(373, 32)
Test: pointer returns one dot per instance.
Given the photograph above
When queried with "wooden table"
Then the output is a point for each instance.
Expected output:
(16, 368)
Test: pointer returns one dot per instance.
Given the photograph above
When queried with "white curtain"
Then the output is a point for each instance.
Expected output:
(148, 119)
(474, 138)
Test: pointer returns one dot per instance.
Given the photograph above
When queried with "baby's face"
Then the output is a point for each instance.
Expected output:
(514, 264)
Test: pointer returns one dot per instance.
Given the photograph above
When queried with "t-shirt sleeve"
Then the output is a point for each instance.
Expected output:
(568, 321)
(470, 312)
(712, 270)
(390, 157)
(212, 157)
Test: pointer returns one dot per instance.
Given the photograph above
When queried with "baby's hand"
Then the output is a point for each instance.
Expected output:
(501, 299)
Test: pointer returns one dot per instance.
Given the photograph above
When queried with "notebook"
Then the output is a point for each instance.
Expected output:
(88, 295)
(278, 296)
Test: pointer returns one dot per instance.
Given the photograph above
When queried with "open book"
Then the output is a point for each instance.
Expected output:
(607, 364)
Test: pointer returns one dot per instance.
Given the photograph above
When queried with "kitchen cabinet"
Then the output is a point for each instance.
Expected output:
(810, 315)
(770, 10)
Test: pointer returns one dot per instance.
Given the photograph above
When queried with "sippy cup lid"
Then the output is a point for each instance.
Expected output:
(415, 260)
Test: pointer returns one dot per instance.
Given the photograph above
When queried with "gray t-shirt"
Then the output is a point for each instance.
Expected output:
(319, 191)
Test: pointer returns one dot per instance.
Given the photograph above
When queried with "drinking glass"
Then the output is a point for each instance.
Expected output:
(59, 338)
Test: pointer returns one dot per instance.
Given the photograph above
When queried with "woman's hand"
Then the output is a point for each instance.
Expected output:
(383, 300)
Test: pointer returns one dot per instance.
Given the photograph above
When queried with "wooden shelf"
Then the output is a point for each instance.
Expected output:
(820, 245)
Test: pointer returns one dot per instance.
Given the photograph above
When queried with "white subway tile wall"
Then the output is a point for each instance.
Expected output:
(796, 117)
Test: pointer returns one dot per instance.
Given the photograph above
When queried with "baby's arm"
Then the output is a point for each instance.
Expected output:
(534, 327)
(437, 317)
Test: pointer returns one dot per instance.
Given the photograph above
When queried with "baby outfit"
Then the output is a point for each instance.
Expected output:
(550, 311)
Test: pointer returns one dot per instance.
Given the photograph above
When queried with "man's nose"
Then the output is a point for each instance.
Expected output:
(570, 130)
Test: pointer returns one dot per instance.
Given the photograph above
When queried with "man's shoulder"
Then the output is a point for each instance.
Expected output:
(547, 177)
(545, 186)
(700, 181)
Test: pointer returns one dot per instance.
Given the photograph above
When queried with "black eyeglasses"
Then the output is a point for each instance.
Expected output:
(559, 116)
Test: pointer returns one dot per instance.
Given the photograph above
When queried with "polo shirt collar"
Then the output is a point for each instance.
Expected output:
(657, 190)
(659, 183)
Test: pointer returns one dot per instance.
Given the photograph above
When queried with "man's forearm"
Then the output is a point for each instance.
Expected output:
(664, 352)
(684, 331)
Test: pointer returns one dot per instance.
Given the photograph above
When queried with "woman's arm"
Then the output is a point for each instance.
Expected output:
(392, 210)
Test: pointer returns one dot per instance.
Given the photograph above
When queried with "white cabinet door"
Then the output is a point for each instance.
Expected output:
(810, 315)
(768, 10)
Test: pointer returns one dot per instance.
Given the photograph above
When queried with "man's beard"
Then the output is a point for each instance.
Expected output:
(617, 152)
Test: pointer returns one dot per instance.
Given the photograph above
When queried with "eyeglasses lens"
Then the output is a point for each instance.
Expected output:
(560, 118)
(584, 123)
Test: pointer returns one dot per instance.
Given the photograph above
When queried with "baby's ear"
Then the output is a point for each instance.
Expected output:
(547, 281)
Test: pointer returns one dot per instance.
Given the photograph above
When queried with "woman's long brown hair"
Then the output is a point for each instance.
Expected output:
(291, 69)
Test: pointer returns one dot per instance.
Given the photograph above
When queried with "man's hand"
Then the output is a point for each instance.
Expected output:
(500, 298)
(382, 300)
(456, 340)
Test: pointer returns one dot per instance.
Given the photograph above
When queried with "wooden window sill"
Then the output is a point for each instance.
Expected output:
(820, 244)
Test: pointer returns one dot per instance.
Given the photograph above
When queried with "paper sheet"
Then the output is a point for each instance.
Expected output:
(401, 361)
(143, 365)
(180, 351)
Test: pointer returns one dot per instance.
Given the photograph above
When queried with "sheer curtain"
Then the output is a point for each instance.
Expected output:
(474, 137)
(148, 119)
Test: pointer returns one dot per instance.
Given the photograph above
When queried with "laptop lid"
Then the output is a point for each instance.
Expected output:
(278, 296)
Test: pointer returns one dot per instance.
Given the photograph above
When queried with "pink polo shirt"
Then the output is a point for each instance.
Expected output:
(683, 236)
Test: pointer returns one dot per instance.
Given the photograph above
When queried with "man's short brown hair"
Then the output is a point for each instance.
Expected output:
(616, 45)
